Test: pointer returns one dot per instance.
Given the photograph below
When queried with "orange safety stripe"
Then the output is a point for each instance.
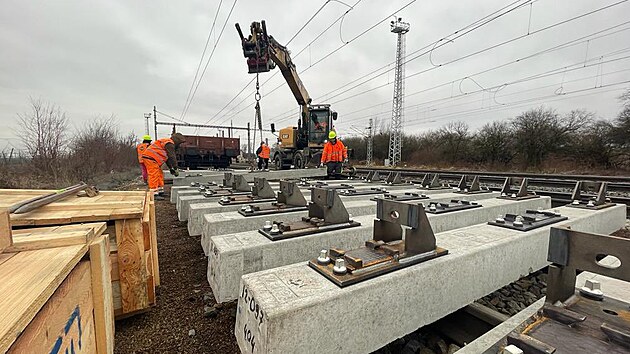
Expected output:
(140, 149)
(334, 153)
(157, 150)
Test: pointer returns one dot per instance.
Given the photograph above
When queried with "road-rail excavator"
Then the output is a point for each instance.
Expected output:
(298, 146)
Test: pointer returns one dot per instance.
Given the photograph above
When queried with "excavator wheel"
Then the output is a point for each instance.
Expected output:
(277, 161)
(298, 161)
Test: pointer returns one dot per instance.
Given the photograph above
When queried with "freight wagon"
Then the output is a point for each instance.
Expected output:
(207, 151)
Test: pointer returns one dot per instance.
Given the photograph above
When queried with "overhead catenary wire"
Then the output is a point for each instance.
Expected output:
(203, 54)
(192, 97)
(479, 51)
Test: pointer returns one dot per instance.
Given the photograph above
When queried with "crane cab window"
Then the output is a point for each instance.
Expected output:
(318, 127)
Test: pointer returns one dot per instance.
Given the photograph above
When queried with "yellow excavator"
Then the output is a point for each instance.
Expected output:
(298, 146)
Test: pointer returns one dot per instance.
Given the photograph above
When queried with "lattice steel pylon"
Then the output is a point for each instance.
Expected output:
(396, 128)
(370, 143)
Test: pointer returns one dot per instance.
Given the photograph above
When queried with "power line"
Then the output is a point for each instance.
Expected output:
(192, 97)
(425, 47)
(203, 54)
(518, 60)
(521, 80)
(477, 52)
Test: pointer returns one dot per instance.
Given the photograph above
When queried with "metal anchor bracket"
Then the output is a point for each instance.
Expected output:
(581, 199)
(402, 237)
(262, 188)
(586, 318)
(507, 191)
(326, 212)
(473, 188)
(239, 184)
(290, 194)
(430, 181)
(290, 198)
(373, 176)
(393, 178)
(228, 179)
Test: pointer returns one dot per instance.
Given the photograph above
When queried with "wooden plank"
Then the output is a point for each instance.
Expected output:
(103, 301)
(117, 298)
(131, 265)
(65, 324)
(5, 257)
(146, 225)
(113, 258)
(150, 279)
(6, 239)
(154, 242)
(27, 280)
(68, 235)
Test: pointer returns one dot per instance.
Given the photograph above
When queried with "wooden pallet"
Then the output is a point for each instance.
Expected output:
(55, 291)
(130, 218)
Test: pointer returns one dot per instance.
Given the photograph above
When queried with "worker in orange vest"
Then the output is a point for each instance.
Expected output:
(334, 154)
(160, 152)
(263, 153)
(146, 141)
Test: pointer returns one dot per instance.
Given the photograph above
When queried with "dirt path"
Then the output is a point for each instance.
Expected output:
(180, 302)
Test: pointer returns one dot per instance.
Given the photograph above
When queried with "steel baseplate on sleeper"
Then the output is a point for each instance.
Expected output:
(362, 191)
(261, 192)
(453, 205)
(290, 199)
(407, 196)
(473, 188)
(326, 212)
(521, 194)
(204, 185)
(431, 182)
(342, 186)
(373, 176)
(582, 321)
(531, 219)
(239, 187)
(594, 196)
(392, 247)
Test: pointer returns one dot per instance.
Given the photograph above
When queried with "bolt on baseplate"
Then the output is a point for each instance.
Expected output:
(323, 258)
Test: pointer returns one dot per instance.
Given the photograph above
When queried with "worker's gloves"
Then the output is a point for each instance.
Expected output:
(321, 164)
(345, 161)
(174, 172)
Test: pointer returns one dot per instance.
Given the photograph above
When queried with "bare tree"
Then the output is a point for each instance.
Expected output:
(43, 132)
(453, 140)
(494, 143)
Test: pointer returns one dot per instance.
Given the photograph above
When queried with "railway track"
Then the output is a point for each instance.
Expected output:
(557, 186)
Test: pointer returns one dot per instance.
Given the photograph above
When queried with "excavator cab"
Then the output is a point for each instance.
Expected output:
(319, 124)
(256, 48)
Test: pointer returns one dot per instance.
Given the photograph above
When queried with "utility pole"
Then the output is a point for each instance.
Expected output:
(249, 145)
(396, 128)
(370, 142)
(147, 130)
(155, 137)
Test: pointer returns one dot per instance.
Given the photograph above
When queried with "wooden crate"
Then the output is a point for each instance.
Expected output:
(57, 299)
(130, 218)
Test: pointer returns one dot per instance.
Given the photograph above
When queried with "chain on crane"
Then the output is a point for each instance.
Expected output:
(257, 96)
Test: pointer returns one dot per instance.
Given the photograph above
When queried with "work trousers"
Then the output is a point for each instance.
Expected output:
(333, 169)
(261, 161)
(145, 174)
(156, 175)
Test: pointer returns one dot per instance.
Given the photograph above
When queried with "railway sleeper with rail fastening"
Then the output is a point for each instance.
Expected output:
(326, 212)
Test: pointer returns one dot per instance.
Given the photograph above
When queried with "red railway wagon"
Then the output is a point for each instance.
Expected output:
(207, 151)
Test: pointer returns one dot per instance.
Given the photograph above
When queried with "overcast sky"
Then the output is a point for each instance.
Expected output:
(122, 57)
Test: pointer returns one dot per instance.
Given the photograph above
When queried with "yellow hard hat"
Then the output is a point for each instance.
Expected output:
(146, 137)
(332, 134)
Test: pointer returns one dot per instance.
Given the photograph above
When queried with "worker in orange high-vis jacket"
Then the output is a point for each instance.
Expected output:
(263, 153)
(146, 141)
(334, 154)
(162, 151)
